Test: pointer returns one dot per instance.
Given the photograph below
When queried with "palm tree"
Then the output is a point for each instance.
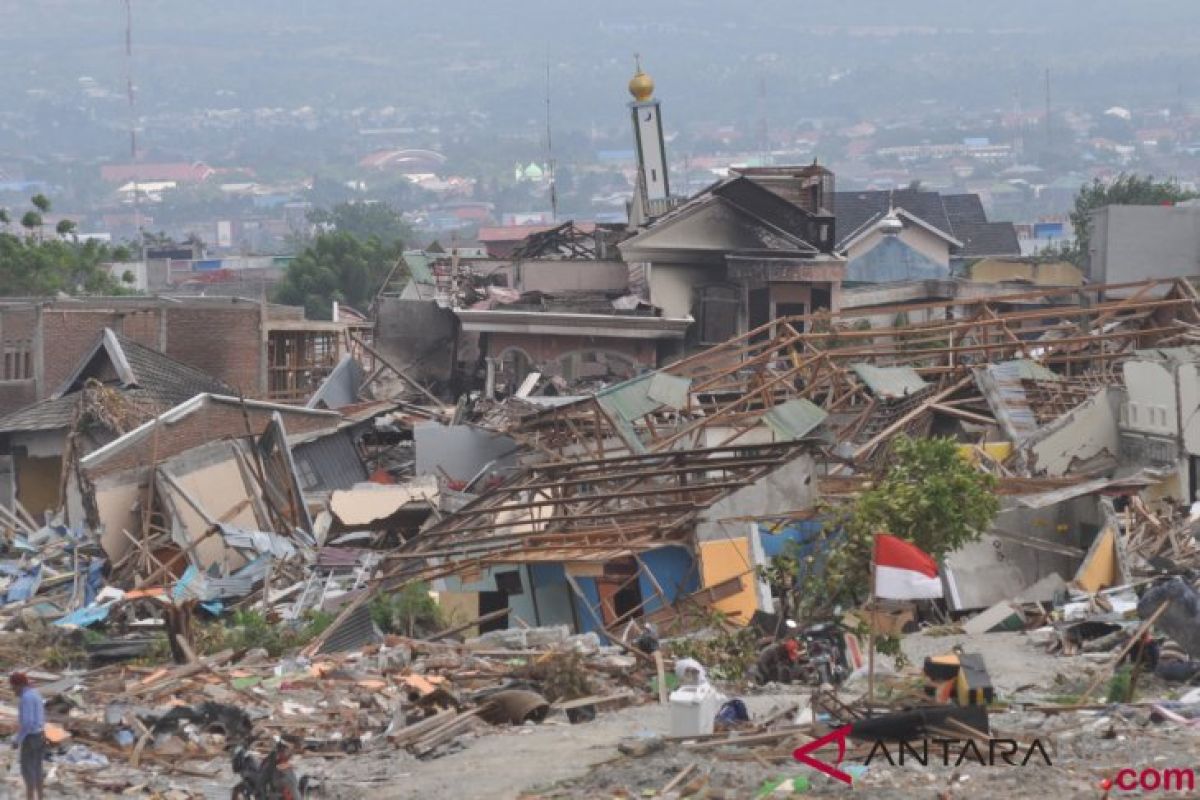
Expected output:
(42, 204)
(64, 228)
(31, 220)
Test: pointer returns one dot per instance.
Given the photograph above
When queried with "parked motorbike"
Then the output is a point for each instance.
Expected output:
(814, 655)
(271, 778)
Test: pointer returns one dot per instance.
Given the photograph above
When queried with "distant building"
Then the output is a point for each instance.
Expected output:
(177, 172)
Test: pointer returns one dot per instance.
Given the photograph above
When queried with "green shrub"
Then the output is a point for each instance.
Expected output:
(408, 612)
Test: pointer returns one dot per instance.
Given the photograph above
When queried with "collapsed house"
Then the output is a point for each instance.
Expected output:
(1033, 385)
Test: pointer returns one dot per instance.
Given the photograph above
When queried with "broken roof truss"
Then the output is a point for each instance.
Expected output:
(595, 509)
(873, 380)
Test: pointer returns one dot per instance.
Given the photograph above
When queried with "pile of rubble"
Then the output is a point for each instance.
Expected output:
(114, 726)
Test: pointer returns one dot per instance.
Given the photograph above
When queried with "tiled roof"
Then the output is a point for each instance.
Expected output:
(166, 378)
(988, 239)
(963, 208)
(852, 210)
(145, 376)
(960, 215)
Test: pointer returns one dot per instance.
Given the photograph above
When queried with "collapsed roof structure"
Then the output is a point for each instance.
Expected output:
(878, 372)
(763, 426)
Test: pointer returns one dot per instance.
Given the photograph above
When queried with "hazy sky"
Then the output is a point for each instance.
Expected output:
(712, 59)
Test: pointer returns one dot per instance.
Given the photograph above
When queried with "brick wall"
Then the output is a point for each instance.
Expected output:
(66, 337)
(17, 329)
(15, 395)
(225, 342)
(216, 421)
(142, 327)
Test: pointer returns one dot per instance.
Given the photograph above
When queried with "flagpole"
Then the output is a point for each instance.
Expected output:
(871, 636)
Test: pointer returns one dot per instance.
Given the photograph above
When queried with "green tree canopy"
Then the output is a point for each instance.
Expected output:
(928, 494)
(337, 266)
(1126, 190)
(38, 268)
(364, 220)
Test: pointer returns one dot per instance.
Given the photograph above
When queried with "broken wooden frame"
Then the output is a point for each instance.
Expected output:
(1082, 333)
(590, 510)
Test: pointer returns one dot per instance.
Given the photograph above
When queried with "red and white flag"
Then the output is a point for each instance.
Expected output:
(904, 571)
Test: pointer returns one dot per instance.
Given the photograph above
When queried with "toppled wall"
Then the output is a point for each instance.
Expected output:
(790, 488)
(210, 476)
(999, 568)
(417, 336)
(461, 451)
(1087, 437)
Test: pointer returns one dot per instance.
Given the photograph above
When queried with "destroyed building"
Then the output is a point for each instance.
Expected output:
(260, 349)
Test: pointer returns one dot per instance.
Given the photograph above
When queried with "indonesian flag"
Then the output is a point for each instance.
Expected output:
(904, 571)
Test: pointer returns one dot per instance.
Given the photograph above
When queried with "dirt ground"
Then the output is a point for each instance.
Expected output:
(560, 760)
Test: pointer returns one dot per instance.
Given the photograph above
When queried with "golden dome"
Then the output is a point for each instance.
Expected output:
(641, 85)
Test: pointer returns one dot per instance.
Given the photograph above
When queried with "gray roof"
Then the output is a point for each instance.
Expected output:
(144, 376)
(960, 215)
(987, 239)
(852, 210)
(963, 208)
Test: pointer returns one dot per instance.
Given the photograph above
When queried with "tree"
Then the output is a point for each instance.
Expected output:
(32, 267)
(31, 220)
(4, 218)
(1126, 190)
(64, 228)
(41, 203)
(928, 494)
(364, 220)
(337, 266)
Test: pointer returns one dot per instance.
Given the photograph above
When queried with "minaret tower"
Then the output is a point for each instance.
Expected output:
(647, 131)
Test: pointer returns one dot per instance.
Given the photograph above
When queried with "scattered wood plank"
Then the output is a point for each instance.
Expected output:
(679, 778)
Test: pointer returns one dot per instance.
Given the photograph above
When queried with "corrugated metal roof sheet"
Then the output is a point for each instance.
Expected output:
(794, 419)
(357, 630)
(629, 400)
(670, 390)
(329, 463)
(418, 266)
(258, 541)
(890, 382)
(1001, 386)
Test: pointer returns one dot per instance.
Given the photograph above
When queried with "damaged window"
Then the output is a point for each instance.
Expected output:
(718, 313)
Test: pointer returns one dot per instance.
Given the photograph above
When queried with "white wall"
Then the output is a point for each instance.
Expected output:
(1151, 406)
(671, 287)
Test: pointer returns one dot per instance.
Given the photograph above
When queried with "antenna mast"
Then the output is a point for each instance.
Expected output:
(550, 150)
(133, 149)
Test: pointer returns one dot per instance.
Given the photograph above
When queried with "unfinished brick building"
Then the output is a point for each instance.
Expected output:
(265, 351)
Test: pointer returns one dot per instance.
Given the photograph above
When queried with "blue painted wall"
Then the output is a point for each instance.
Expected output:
(892, 260)
(676, 571)
(805, 533)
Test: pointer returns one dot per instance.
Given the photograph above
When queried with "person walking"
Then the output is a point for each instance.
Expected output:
(30, 738)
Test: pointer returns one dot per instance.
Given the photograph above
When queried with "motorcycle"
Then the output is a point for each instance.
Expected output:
(272, 778)
(813, 656)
